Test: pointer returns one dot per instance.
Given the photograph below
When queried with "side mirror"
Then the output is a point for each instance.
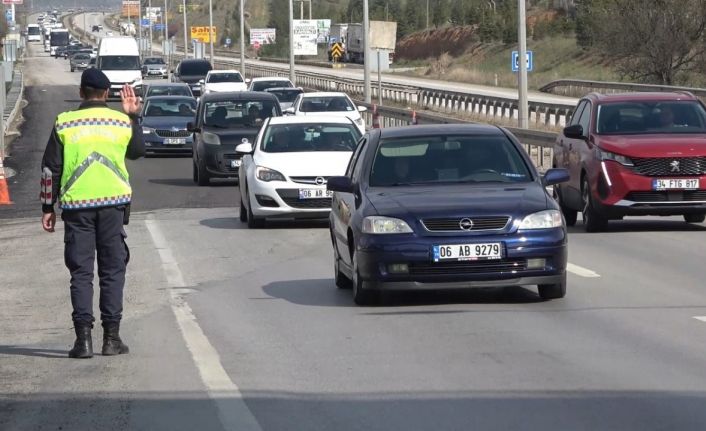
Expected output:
(574, 132)
(362, 109)
(191, 127)
(339, 184)
(202, 81)
(244, 148)
(555, 176)
(289, 111)
(248, 80)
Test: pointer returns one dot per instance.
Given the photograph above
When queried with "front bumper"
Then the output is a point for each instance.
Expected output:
(618, 191)
(155, 73)
(281, 199)
(220, 160)
(376, 254)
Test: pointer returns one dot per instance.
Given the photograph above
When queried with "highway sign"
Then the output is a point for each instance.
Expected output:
(336, 51)
(516, 63)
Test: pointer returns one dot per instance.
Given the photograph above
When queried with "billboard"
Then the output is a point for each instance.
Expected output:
(263, 36)
(203, 35)
(305, 34)
(153, 14)
(323, 29)
(131, 8)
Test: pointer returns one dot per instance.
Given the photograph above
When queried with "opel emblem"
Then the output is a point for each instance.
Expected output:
(320, 181)
(466, 224)
(175, 129)
(675, 166)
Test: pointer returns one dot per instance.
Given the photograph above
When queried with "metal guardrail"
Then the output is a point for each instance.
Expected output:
(579, 88)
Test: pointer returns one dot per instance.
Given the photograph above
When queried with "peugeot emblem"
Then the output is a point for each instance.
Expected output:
(675, 166)
(320, 181)
(466, 224)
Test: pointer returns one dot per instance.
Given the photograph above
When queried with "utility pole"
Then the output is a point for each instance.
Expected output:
(292, 77)
(186, 29)
(242, 37)
(366, 52)
(427, 14)
(522, 104)
(149, 17)
(139, 28)
(165, 21)
(210, 26)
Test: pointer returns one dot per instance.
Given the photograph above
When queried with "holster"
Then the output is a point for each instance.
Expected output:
(126, 214)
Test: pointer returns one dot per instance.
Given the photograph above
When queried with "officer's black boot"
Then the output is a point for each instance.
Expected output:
(112, 344)
(83, 346)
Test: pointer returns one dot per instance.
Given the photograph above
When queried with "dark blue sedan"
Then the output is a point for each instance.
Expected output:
(444, 207)
(164, 120)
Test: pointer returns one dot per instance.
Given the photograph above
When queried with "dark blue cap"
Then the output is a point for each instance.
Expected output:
(94, 78)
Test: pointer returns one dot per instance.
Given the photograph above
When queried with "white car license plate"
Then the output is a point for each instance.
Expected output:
(314, 193)
(235, 163)
(460, 252)
(174, 141)
(676, 184)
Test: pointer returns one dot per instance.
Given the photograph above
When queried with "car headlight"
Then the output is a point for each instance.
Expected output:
(385, 225)
(147, 130)
(542, 220)
(606, 155)
(211, 138)
(267, 174)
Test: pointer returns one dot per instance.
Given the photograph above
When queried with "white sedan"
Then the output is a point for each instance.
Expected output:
(221, 81)
(284, 173)
(329, 104)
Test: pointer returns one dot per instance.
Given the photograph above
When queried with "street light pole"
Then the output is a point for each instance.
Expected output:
(210, 26)
(149, 17)
(165, 21)
(292, 77)
(427, 14)
(366, 52)
(242, 37)
(522, 104)
(186, 29)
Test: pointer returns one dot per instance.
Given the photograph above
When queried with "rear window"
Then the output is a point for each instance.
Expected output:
(153, 61)
(326, 104)
(286, 96)
(218, 78)
(448, 160)
(195, 68)
(168, 90)
(238, 113)
(659, 117)
(264, 85)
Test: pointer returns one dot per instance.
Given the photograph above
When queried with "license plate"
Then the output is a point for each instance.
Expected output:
(235, 163)
(174, 141)
(676, 184)
(460, 252)
(314, 193)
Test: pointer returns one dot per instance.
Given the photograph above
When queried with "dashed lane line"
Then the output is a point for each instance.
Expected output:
(581, 271)
(234, 414)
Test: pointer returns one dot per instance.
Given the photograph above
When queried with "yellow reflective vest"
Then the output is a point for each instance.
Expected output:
(95, 141)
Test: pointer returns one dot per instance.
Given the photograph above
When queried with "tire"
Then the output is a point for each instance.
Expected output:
(361, 296)
(570, 215)
(202, 176)
(694, 218)
(243, 212)
(195, 172)
(593, 220)
(254, 223)
(552, 291)
(341, 280)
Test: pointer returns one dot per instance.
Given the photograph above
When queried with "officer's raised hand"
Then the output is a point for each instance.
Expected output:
(131, 103)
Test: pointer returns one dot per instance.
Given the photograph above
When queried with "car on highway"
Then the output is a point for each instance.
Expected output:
(285, 95)
(633, 154)
(333, 103)
(219, 81)
(109, 33)
(95, 28)
(445, 207)
(224, 120)
(263, 83)
(192, 71)
(79, 61)
(283, 174)
(166, 89)
(154, 66)
(164, 121)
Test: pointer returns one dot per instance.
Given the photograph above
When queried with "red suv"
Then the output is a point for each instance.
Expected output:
(633, 154)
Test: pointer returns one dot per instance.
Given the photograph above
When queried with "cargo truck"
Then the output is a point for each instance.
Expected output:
(383, 37)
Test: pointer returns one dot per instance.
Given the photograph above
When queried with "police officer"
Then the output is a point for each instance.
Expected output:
(84, 169)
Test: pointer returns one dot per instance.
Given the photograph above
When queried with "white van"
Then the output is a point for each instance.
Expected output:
(34, 33)
(119, 59)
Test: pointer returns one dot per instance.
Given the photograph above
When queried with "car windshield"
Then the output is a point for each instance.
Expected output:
(120, 62)
(238, 113)
(294, 138)
(217, 78)
(153, 61)
(194, 68)
(264, 85)
(286, 95)
(663, 117)
(448, 160)
(168, 90)
(170, 108)
(326, 104)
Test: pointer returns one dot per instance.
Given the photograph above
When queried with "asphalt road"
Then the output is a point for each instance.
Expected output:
(237, 329)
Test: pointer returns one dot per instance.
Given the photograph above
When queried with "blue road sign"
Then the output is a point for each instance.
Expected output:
(159, 26)
(516, 63)
(228, 41)
(145, 22)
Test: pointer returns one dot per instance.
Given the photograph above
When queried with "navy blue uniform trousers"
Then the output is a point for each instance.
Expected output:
(90, 233)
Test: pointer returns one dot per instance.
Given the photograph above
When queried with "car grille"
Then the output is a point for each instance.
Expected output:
(668, 196)
(664, 166)
(504, 266)
(454, 224)
(291, 198)
(307, 180)
(173, 133)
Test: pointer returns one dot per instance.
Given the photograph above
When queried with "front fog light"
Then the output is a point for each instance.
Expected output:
(536, 263)
(398, 268)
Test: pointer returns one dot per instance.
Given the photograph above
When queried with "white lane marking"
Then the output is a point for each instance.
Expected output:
(581, 271)
(701, 318)
(234, 414)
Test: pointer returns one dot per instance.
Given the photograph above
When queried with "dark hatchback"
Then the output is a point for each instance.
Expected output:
(191, 72)
(443, 207)
(164, 120)
(223, 121)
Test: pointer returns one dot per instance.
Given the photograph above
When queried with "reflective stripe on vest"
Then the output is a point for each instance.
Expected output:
(95, 141)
